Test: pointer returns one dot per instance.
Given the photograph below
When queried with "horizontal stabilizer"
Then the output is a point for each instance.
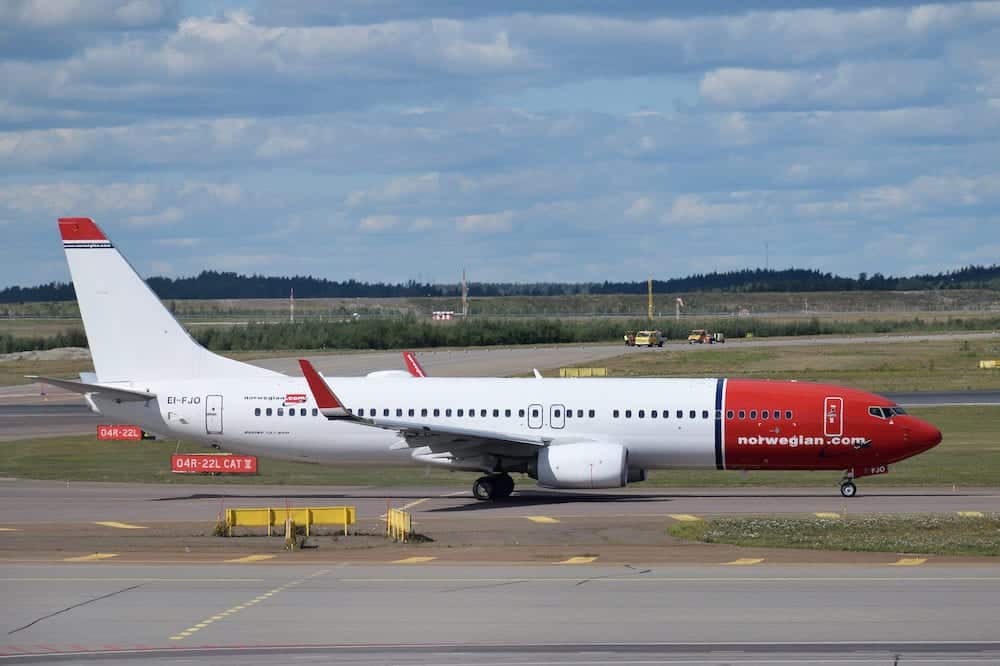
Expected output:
(122, 394)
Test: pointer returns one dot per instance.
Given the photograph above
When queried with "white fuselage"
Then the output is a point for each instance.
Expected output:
(253, 416)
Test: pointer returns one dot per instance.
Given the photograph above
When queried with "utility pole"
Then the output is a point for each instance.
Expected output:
(465, 295)
(649, 304)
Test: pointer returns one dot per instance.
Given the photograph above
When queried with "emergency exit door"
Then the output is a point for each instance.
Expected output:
(213, 414)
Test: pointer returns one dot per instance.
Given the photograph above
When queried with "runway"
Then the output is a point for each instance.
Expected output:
(446, 614)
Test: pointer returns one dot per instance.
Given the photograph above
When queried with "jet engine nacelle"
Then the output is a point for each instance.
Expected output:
(583, 465)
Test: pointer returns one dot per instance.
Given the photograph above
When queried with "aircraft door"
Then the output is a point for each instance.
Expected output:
(833, 417)
(557, 416)
(213, 414)
(535, 416)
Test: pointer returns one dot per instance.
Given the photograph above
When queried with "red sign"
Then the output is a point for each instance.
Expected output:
(212, 463)
(119, 432)
(295, 399)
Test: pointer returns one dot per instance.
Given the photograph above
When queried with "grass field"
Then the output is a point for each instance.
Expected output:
(925, 534)
(969, 456)
(888, 367)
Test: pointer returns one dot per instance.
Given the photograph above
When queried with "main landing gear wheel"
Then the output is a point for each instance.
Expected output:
(497, 486)
(848, 489)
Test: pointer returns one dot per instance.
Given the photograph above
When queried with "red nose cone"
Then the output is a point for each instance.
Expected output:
(927, 436)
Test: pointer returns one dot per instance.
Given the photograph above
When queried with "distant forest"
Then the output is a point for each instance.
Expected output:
(215, 285)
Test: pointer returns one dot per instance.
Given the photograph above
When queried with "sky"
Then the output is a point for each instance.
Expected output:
(522, 140)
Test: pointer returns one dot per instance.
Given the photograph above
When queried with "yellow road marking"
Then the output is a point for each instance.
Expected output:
(745, 561)
(413, 560)
(120, 526)
(9, 529)
(908, 562)
(685, 517)
(413, 504)
(91, 558)
(251, 558)
(826, 514)
(971, 514)
(578, 560)
(181, 635)
(542, 519)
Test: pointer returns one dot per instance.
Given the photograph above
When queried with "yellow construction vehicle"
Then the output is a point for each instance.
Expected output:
(701, 336)
(649, 339)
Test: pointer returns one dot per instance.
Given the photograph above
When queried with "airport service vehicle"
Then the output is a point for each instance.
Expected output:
(701, 336)
(649, 339)
(565, 433)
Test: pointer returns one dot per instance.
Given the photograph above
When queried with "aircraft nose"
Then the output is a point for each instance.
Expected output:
(925, 436)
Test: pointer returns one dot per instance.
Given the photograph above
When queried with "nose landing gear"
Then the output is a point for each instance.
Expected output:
(493, 487)
(847, 487)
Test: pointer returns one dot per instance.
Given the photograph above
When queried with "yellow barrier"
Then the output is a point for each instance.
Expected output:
(583, 372)
(398, 525)
(306, 516)
(989, 364)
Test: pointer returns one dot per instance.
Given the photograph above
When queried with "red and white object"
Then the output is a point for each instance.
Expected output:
(119, 433)
(212, 463)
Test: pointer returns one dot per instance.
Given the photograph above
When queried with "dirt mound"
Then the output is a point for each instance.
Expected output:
(58, 354)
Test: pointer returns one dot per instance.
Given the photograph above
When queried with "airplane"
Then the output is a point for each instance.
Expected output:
(563, 433)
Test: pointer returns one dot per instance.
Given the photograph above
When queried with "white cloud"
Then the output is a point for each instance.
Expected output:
(78, 199)
(639, 207)
(422, 224)
(692, 209)
(486, 222)
(377, 223)
(167, 216)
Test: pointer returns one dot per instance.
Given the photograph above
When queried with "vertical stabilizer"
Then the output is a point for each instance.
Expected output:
(132, 336)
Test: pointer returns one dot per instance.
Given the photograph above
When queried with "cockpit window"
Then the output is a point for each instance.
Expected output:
(898, 410)
(876, 412)
(885, 412)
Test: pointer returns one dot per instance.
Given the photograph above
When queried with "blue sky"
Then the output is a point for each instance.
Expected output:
(584, 140)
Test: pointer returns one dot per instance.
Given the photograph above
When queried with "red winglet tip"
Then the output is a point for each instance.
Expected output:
(325, 399)
(80, 229)
(413, 365)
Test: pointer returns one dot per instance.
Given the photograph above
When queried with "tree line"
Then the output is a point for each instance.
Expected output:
(218, 285)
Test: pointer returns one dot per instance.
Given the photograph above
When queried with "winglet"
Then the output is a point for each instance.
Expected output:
(327, 402)
(413, 365)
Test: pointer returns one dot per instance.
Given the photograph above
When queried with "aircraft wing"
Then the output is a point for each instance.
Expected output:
(438, 438)
(120, 394)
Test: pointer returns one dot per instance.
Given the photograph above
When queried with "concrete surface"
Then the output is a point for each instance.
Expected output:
(452, 614)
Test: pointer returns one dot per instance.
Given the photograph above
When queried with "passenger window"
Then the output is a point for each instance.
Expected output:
(447, 412)
(693, 414)
(423, 412)
(614, 414)
(496, 413)
(256, 412)
(399, 412)
(652, 414)
(569, 413)
(628, 413)
(788, 414)
(764, 415)
(558, 413)
(729, 415)
(291, 411)
(704, 413)
(753, 414)
(315, 412)
(437, 412)
(666, 413)
(506, 413)
(281, 411)
(385, 412)
(520, 413)
(591, 413)
(534, 413)
(680, 413)
(642, 414)
(743, 414)
(461, 412)
(409, 412)
(482, 413)
(268, 412)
